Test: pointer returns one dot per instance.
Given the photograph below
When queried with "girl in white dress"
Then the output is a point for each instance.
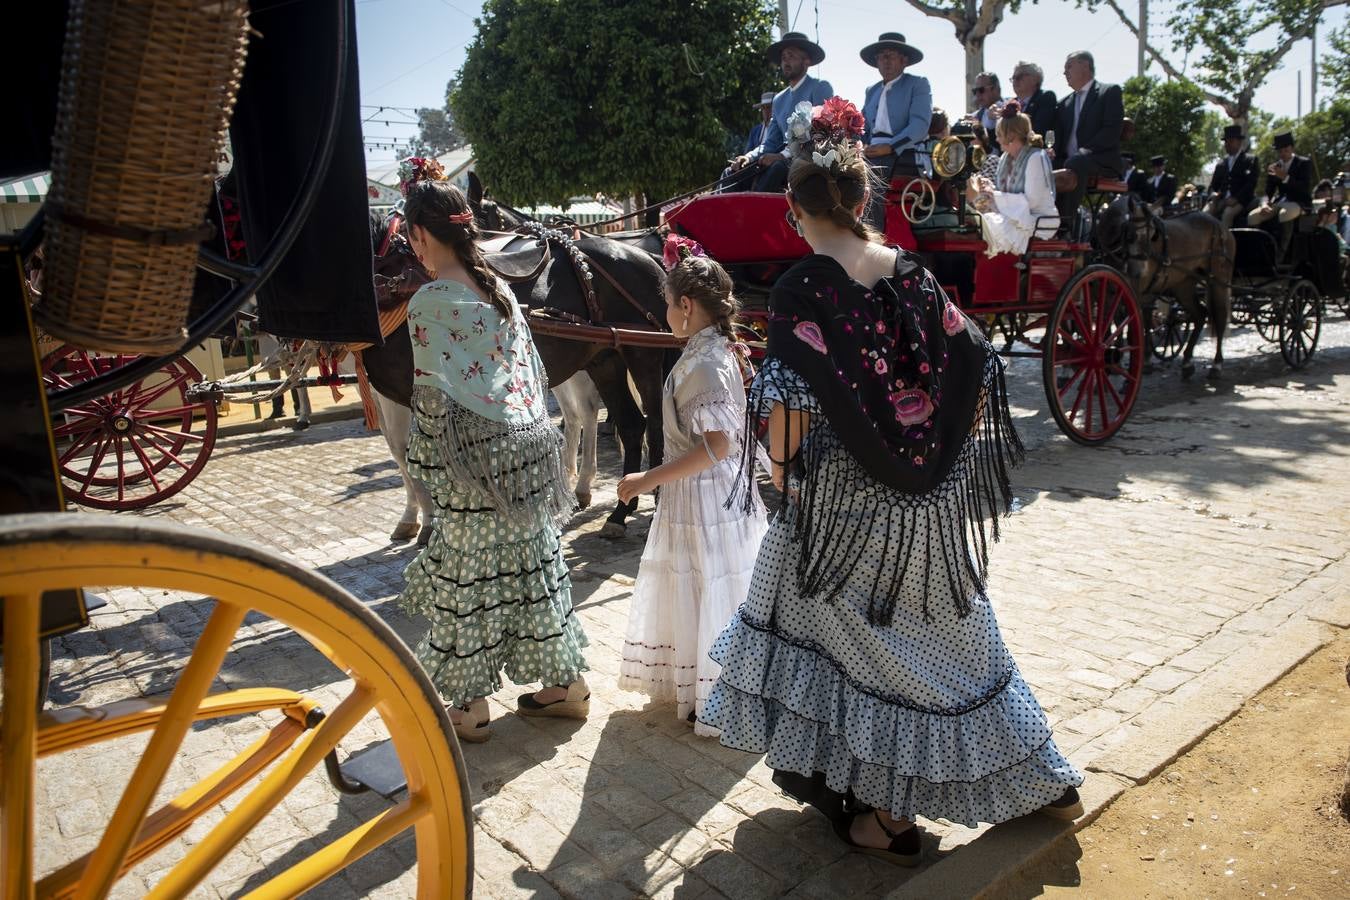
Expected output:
(1019, 203)
(695, 570)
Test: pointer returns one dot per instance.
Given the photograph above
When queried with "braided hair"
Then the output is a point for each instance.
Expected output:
(706, 283)
(444, 211)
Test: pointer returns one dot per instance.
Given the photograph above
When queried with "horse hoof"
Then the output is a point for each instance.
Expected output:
(404, 531)
(583, 500)
(424, 536)
(1215, 373)
(613, 530)
(1187, 371)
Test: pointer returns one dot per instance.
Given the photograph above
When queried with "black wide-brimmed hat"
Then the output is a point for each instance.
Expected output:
(1128, 157)
(1158, 160)
(814, 51)
(1233, 132)
(891, 40)
(1285, 139)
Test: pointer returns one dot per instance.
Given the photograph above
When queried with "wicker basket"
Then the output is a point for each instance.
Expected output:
(147, 90)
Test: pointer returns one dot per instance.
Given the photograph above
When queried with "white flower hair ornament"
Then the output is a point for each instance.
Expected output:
(799, 127)
(828, 160)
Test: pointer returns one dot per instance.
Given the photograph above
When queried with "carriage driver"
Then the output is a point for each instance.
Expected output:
(897, 110)
(1232, 189)
(1288, 184)
(793, 55)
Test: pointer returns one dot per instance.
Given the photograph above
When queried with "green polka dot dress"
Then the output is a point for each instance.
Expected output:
(495, 588)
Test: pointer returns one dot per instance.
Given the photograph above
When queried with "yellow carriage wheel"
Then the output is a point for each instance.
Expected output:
(50, 551)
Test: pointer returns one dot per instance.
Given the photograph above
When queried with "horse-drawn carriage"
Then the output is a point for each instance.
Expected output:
(1081, 319)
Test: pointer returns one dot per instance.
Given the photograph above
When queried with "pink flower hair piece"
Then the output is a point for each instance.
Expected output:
(677, 248)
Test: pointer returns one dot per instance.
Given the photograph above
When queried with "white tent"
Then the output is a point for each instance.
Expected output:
(20, 199)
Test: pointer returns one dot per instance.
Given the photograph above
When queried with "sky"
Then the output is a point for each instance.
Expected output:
(409, 49)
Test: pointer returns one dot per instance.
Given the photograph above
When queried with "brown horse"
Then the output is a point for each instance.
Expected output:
(1175, 257)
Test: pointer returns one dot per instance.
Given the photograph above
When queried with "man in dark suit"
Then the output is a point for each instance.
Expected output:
(1232, 190)
(1162, 185)
(1288, 184)
(1037, 103)
(1135, 181)
(1087, 132)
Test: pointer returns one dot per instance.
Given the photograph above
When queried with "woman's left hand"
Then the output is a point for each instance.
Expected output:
(630, 486)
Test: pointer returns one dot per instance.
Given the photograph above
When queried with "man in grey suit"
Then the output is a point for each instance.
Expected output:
(1037, 103)
(1087, 130)
(793, 55)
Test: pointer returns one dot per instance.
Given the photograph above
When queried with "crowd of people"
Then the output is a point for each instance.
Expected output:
(848, 636)
(1069, 142)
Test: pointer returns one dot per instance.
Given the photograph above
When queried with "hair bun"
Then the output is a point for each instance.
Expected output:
(1010, 109)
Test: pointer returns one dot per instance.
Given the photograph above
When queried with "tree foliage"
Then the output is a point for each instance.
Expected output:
(436, 131)
(1169, 120)
(609, 96)
(1334, 69)
(1230, 46)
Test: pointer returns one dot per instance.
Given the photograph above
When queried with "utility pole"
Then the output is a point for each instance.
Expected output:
(1299, 107)
(1313, 106)
(1143, 36)
(783, 23)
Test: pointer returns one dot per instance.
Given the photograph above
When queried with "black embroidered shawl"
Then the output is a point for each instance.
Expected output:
(916, 396)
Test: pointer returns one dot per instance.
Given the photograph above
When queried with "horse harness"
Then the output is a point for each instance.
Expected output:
(1156, 230)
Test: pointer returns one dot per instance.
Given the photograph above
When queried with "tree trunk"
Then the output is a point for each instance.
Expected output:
(974, 66)
(652, 217)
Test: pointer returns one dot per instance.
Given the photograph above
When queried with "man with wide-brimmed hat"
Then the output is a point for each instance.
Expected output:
(1288, 184)
(765, 107)
(897, 108)
(1232, 189)
(793, 55)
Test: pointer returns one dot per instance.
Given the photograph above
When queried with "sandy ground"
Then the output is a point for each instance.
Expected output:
(1249, 812)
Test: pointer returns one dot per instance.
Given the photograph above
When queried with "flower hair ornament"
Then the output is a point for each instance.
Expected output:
(1010, 109)
(418, 168)
(828, 135)
(677, 248)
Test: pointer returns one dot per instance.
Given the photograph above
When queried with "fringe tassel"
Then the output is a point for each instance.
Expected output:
(839, 509)
(517, 467)
(368, 409)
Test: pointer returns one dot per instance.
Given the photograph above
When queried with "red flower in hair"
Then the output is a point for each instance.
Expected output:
(677, 248)
(840, 118)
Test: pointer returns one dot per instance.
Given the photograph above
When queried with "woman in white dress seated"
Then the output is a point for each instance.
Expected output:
(1019, 202)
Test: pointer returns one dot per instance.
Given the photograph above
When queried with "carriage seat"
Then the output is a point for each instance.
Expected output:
(1107, 185)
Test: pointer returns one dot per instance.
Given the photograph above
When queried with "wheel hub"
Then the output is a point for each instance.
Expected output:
(122, 422)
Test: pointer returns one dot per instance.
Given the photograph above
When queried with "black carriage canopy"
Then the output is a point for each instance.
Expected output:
(322, 290)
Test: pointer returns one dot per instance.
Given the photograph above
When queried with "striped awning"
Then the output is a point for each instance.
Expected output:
(581, 211)
(27, 189)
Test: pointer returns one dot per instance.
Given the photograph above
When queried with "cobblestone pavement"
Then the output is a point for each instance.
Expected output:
(1138, 584)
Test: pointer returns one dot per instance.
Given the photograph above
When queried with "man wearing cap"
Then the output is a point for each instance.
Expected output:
(1162, 185)
(1232, 189)
(897, 108)
(1087, 130)
(1288, 184)
(793, 55)
(1136, 182)
(756, 136)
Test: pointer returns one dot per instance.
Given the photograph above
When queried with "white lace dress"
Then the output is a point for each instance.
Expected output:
(696, 568)
(1024, 203)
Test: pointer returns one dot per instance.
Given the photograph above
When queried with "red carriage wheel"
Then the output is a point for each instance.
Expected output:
(133, 447)
(1093, 355)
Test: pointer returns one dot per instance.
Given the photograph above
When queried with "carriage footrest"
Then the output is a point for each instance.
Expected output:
(377, 768)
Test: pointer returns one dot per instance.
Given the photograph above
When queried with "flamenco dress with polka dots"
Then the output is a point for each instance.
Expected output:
(700, 555)
(867, 654)
(492, 579)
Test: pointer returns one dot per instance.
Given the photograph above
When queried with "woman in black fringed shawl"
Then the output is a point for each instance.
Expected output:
(867, 663)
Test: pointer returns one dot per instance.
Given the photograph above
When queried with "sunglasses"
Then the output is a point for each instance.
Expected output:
(978, 89)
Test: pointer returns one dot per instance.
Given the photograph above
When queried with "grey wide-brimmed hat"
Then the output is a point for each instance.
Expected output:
(814, 51)
(891, 40)
(765, 99)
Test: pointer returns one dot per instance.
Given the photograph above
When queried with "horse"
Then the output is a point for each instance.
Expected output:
(1175, 257)
(555, 283)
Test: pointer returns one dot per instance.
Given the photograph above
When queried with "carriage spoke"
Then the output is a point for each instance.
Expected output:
(1069, 384)
(18, 739)
(195, 680)
(1078, 397)
(1090, 387)
(1100, 394)
(1115, 396)
(121, 470)
(1107, 315)
(145, 463)
(353, 845)
(1082, 323)
(94, 462)
(141, 401)
(76, 446)
(146, 426)
(175, 411)
(84, 421)
(283, 778)
(153, 441)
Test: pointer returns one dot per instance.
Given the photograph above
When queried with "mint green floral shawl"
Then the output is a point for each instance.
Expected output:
(479, 389)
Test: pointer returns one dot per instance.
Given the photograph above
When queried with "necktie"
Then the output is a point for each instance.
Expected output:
(884, 111)
(1077, 111)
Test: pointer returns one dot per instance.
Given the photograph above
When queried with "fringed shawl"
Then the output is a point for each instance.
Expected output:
(947, 473)
(480, 387)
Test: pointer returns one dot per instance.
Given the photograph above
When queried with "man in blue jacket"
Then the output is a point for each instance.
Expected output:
(793, 55)
(897, 110)
(756, 136)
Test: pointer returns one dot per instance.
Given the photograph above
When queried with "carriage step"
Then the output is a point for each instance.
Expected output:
(376, 768)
